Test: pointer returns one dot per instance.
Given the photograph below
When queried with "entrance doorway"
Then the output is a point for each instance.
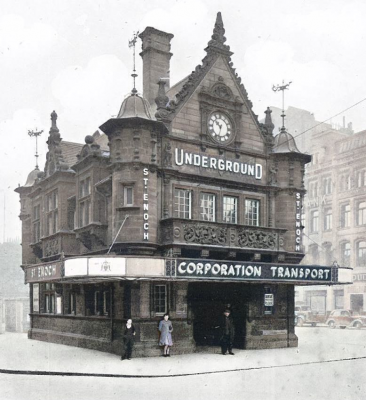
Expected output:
(357, 303)
(208, 302)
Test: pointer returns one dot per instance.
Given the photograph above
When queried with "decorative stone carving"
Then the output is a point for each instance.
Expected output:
(170, 267)
(291, 168)
(167, 158)
(136, 144)
(204, 234)
(273, 175)
(222, 91)
(257, 239)
(51, 247)
(90, 147)
(54, 158)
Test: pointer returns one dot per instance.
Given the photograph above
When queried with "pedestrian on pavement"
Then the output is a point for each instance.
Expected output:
(128, 339)
(227, 333)
(166, 329)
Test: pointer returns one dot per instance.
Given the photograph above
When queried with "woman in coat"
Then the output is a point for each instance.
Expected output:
(128, 339)
(166, 329)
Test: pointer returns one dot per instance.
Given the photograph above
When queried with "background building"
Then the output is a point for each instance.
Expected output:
(334, 207)
(14, 294)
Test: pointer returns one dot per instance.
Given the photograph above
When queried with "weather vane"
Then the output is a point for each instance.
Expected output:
(35, 134)
(282, 87)
(132, 43)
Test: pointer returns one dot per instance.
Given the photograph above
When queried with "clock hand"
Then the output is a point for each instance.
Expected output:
(220, 126)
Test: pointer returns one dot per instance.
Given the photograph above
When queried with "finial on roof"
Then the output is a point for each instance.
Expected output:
(53, 119)
(268, 121)
(132, 43)
(218, 39)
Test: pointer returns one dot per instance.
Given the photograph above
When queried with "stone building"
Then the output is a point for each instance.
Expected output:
(185, 204)
(335, 210)
(333, 216)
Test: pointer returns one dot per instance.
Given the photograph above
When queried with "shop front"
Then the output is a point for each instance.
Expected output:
(84, 301)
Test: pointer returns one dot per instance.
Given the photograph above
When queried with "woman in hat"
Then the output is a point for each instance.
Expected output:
(166, 329)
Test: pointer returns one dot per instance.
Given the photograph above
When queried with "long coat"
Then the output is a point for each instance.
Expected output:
(227, 327)
(166, 329)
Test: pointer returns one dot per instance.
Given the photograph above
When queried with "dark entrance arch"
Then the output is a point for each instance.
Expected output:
(208, 300)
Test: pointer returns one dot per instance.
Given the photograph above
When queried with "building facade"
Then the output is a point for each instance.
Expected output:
(185, 204)
(333, 216)
(335, 210)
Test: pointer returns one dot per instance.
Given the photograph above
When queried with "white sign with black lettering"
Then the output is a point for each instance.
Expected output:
(268, 300)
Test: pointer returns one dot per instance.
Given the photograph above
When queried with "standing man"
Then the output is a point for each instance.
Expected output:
(128, 340)
(228, 333)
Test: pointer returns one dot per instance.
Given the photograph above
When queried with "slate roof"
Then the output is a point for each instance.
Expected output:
(69, 152)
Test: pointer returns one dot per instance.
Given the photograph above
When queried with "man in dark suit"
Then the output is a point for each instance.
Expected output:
(227, 333)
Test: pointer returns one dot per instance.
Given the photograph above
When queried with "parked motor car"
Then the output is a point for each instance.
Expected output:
(305, 315)
(345, 318)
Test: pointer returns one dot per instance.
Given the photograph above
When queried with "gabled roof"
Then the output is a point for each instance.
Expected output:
(216, 48)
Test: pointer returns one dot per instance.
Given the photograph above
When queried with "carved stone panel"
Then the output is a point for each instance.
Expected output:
(204, 234)
(257, 239)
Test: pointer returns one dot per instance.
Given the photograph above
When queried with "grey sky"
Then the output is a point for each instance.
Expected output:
(73, 57)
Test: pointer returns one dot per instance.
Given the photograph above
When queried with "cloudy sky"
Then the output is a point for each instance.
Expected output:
(72, 56)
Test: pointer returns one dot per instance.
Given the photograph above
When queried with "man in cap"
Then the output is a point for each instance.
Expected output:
(227, 333)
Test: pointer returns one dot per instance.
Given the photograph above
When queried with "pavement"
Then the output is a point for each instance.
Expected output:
(19, 355)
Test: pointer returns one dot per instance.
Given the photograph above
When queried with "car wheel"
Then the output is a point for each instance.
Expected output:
(331, 324)
(300, 322)
(313, 324)
(358, 325)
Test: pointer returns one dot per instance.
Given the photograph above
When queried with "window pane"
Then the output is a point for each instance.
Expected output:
(315, 221)
(345, 215)
(182, 203)
(207, 207)
(361, 213)
(252, 212)
(361, 254)
(328, 220)
(230, 209)
(128, 196)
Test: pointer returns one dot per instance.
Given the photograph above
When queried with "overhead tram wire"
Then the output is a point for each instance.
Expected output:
(323, 122)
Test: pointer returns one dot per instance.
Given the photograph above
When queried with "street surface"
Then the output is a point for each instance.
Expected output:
(329, 363)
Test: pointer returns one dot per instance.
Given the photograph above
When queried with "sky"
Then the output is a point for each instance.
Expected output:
(72, 56)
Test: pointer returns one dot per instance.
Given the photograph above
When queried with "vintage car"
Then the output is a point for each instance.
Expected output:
(345, 318)
(304, 315)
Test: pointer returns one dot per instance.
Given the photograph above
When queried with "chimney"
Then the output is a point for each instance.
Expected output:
(156, 61)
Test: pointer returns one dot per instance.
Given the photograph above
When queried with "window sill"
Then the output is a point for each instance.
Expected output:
(126, 208)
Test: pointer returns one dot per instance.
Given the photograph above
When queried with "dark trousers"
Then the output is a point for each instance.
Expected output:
(128, 346)
(226, 344)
